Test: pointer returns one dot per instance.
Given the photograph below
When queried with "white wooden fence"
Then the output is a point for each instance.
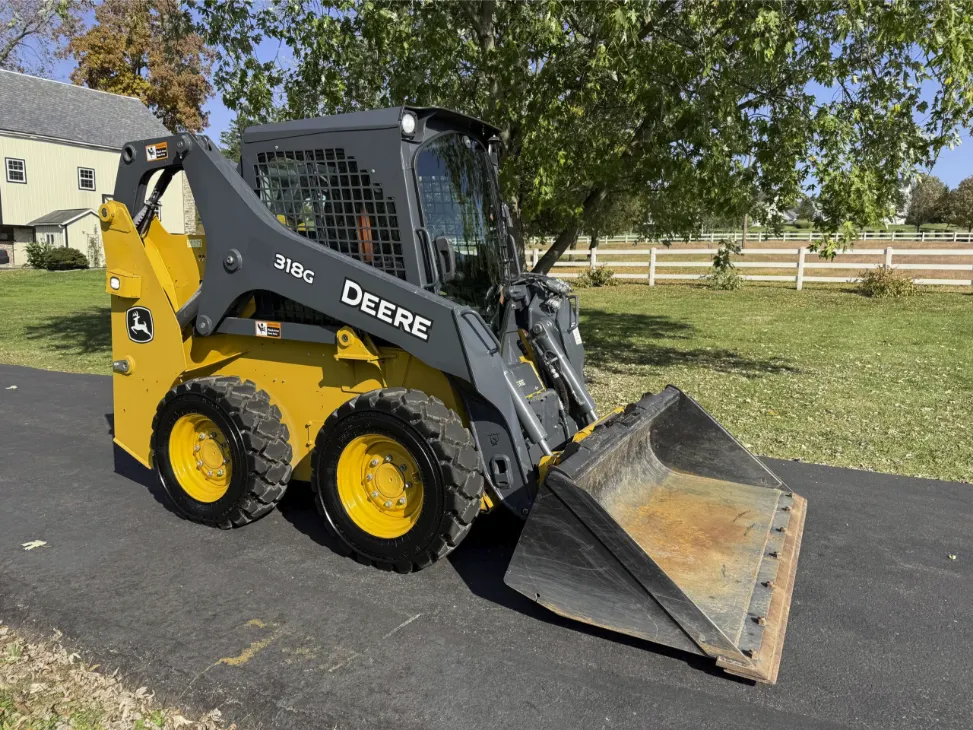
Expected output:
(759, 236)
(667, 258)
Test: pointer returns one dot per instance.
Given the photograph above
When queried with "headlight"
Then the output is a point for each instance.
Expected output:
(114, 283)
(408, 124)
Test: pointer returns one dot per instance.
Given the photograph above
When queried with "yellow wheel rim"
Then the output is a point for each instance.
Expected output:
(200, 457)
(380, 485)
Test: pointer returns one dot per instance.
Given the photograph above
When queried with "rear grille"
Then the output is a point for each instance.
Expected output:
(322, 194)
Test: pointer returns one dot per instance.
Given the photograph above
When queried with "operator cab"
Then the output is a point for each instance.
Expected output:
(411, 191)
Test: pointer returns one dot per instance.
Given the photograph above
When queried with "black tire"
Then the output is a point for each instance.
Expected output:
(447, 457)
(260, 452)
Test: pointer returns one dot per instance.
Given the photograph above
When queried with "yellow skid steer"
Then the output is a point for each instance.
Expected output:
(356, 317)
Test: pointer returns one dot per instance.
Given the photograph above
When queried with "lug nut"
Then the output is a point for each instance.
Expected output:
(374, 495)
(388, 503)
(199, 463)
(209, 472)
(388, 458)
(195, 448)
(401, 500)
(212, 435)
(368, 477)
(374, 462)
(219, 473)
(402, 467)
(408, 485)
(202, 437)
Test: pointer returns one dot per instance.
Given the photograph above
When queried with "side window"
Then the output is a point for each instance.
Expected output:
(16, 170)
(86, 178)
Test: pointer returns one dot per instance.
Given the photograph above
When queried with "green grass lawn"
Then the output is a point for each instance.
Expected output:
(823, 375)
(57, 320)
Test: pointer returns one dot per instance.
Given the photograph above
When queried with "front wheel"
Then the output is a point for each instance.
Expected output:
(221, 451)
(397, 478)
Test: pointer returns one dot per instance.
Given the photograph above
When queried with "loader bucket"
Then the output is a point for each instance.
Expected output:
(660, 525)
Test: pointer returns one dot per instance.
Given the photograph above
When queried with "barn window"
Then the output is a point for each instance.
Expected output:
(16, 170)
(86, 178)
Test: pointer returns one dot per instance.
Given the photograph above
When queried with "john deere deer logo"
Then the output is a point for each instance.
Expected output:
(139, 324)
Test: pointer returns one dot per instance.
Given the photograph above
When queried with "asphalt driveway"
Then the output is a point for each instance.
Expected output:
(276, 630)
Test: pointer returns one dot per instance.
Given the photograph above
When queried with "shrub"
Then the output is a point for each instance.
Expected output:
(803, 224)
(37, 254)
(886, 283)
(61, 259)
(724, 279)
(725, 276)
(601, 276)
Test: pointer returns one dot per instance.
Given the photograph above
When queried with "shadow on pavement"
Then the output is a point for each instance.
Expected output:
(617, 339)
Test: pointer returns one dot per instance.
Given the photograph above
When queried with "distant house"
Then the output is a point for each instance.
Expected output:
(59, 147)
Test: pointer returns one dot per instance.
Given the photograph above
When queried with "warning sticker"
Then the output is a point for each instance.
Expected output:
(156, 152)
(195, 243)
(577, 336)
(268, 329)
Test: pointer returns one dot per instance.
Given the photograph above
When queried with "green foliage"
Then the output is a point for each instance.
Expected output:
(806, 210)
(961, 205)
(929, 202)
(702, 109)
(803, 224)
(599, 276)
(886, 283)
(724, 276)
(725, 280)
(64, 259)
(37, 254)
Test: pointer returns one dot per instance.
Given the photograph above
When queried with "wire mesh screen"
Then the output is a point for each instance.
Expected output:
(323, 195)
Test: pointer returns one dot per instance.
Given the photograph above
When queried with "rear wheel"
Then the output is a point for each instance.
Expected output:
(397, 477)
(221, 451)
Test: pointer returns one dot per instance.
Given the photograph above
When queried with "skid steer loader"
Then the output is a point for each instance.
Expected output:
(356, 316)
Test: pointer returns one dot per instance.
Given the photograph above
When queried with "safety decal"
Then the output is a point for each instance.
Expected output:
(157, 152)
(267, 329)
(140, 328)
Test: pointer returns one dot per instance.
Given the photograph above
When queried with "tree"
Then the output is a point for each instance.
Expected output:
(147, 49)
(929, 201)
(666, 98)
(806, 210)
(961, 204)
(29, 29)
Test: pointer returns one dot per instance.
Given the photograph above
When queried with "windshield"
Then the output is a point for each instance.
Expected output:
(459, 199)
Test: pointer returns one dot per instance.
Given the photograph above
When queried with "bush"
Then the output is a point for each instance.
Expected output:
(62, 259)
(601, 276)
(886, 283)
(726, 279)
(37, 254)
(803, 224)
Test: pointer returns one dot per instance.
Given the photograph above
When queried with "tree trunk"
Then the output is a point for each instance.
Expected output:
(569, 234)
(746, 228)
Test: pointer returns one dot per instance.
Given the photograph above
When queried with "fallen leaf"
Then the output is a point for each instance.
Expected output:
(951, 556)
(11, 387)
(33, 544)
